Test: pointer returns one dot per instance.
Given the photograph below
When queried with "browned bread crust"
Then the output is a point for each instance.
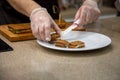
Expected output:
(76, 44)
(19, 28)
(61, 24)
(54, 36)
(61, 43)
(79, 29)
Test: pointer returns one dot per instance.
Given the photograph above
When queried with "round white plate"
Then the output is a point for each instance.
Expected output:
(92, 41)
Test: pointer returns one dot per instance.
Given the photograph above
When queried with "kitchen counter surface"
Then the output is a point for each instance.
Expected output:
(30, 61)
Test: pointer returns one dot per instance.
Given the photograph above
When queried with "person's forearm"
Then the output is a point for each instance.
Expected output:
(24, 6)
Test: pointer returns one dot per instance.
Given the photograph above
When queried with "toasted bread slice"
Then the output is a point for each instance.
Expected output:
(54, 36)
(17, 29)
(61, 23)
(76, 44)
(79, 29)
(61, 43)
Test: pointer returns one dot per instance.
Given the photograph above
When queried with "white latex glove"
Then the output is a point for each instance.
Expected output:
(88, 12)
(117, 5)
(41, 24)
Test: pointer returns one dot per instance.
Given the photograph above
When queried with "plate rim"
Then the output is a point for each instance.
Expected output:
(75, 49)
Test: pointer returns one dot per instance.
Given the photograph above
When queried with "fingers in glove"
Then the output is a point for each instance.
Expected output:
(56, 28)
(35, 29)
(47, 33)
(82, 17)
(97, 14)
(89, 17)
(77, 16)
(41, 32)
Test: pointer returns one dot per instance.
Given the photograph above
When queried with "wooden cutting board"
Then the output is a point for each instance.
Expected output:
(19, 37)
(15, 37)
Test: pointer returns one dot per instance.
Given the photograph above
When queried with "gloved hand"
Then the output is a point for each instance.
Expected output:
(117, 5)
(88, 12)
(41, 24)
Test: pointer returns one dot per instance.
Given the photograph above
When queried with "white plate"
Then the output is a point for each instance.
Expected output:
(92, 41)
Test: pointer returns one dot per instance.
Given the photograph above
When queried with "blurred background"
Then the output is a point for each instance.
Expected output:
(69, 8)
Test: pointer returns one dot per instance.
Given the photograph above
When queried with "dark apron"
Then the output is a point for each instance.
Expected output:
(9, 15)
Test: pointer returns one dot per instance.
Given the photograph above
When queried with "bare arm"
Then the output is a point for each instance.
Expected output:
(24, 6)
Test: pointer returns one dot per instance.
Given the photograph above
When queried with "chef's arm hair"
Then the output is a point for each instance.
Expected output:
(24, 6)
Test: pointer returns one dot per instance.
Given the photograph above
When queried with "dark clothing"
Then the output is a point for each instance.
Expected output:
(9, 15)
(50, 5)
(118, 14)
